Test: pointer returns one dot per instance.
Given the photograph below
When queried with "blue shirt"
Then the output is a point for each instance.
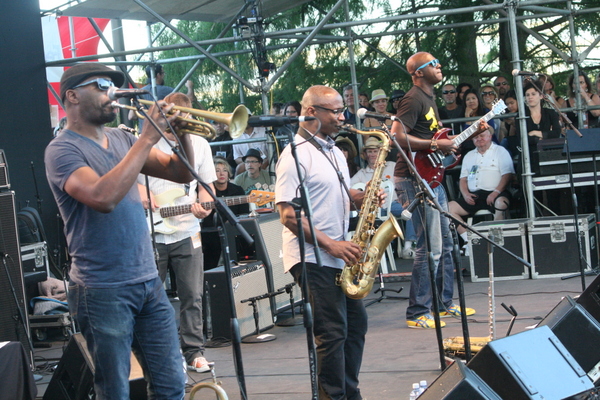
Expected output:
(107, 249)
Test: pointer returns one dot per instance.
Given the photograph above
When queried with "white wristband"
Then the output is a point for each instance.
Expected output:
(497, 191)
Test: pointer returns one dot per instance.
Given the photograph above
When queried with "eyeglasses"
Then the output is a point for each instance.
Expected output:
(335, 112)
(103, 83)
(498, 84)
(448, 91)
(490, 93)
(251, 162)
(434, 63)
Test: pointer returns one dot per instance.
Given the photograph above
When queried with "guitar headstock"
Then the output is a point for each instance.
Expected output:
(499, 107)
(261, 197)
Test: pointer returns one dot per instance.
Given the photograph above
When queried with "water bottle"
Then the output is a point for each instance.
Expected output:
(584, 119)
(422, 386)
(415, 391)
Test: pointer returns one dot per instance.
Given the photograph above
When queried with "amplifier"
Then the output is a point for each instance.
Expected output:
(247, 280)
(4, 182)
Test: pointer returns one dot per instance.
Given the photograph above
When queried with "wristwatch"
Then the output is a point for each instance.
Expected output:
(433, 145)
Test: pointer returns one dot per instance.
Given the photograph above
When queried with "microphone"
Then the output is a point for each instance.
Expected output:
(408, 212)
(116, 93)
(272, 120)
(516, 72)
(364, 113)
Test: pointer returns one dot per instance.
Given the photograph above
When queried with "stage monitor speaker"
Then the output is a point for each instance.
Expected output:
(266, 232)
(579, 332)
(531, 365)
(11, 326)
(590, 298)
(248, 280)
(458, 382)
(73, 378)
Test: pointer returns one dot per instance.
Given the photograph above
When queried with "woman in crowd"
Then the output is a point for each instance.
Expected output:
(546, 83)
(590, 118)
(508, 130)
(379, 101)
(349, 151)
(211, 244)
(461, 88)
(489, 97)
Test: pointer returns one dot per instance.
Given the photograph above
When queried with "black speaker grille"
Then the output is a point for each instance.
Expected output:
(11, 328)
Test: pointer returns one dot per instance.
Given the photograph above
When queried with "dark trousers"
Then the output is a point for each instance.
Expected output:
(340, 326)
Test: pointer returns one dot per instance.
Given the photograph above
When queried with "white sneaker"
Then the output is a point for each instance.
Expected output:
(200, 365)
(465, 250)
(407, 251)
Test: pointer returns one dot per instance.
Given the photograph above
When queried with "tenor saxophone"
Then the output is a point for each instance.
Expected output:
(356, 280)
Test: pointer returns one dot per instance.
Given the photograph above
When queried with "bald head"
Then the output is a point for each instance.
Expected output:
(416, 60)
(318, 94)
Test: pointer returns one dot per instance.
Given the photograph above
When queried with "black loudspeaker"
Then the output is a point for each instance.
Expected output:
(590, 298)
(579, 332)
(458, 382)
(74, 375)
(266, 232)
(11, 326)
(531, 365)
(248, 280)
(4, 181)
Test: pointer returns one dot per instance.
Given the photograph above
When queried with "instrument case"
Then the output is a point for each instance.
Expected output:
(553, 245)
(509, 234)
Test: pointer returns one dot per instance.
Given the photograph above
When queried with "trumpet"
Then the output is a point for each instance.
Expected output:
(237, 120)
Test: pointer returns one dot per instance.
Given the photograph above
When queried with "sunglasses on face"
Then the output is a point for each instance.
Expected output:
(434, 63)
(448, 91)
(488, 93)
(498, 84)
(103, 83)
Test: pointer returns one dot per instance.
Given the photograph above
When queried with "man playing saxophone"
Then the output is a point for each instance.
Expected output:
(340, 323)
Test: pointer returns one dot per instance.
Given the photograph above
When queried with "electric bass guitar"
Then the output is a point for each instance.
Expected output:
(432, 164)
(160, 216)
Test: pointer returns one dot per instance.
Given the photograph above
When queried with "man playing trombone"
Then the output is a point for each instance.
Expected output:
(115, 294)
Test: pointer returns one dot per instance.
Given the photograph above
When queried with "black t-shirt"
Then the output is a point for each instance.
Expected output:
(419, 113)
(238, 209)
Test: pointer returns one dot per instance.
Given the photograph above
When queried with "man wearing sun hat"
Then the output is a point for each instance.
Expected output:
(115, 294)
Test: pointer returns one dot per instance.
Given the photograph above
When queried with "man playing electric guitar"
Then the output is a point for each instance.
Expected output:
(182, 249)
(418, 121)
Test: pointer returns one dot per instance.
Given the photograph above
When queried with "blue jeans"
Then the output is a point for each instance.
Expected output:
(438, 230)
(136, 318)
(340, 326)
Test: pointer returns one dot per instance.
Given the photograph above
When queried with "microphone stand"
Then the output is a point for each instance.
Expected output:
(307, 315)
(225, 212)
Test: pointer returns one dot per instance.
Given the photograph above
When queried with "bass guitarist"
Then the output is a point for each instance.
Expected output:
(182, 250)
(418, 122)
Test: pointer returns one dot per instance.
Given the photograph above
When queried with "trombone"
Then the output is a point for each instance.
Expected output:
(237, 120)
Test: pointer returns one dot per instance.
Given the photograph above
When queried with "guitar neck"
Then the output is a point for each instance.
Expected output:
(471, 129)
(173, 211)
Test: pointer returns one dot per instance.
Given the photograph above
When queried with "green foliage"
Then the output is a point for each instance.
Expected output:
(474, 53)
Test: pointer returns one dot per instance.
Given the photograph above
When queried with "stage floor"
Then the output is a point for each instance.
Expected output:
(395, 356)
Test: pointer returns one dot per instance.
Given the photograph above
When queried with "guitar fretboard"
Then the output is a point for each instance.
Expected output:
(172, 211)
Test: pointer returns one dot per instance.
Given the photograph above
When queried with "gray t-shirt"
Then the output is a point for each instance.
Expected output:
(107, 249)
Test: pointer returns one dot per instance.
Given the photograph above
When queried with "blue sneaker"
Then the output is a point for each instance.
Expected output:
(425, 321)
(454, 311)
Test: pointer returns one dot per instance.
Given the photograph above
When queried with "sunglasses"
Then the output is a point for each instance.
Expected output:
(448, 91)
(491, 93)
(498, 84)
(103, 83)
(434, 63)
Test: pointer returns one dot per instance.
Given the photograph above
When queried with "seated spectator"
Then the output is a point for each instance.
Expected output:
(239, 150)
(546, 83)
(590, 117)
(502, 86)
(451, 109)
(211, 244)
(489, 97)
(291, 110)
(473, 108)
(485, 175)
(370, 153)
(379, 102)
(363, 101)
(223, 150)
(461, 89)
(395, 98)
(508, 128)
(254, 177)
(349, 151)
(276, 109)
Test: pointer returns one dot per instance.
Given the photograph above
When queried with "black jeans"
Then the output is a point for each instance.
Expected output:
(340, 326)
